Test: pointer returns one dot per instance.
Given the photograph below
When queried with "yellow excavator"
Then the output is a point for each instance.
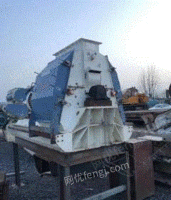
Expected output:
(133, 100)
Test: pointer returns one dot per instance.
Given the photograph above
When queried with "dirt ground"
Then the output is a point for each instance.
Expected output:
(37, 187)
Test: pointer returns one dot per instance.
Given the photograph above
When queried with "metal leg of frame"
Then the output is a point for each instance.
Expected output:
(16, 164)
(128, 177)
(65, 193)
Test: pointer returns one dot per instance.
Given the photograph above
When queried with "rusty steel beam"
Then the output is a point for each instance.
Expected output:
(141, 169)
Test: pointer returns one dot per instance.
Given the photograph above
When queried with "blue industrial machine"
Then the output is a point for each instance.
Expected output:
(75, 101)
(16, 107)
(73, 115)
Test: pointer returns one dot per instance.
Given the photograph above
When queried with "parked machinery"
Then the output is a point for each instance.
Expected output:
(133, 100)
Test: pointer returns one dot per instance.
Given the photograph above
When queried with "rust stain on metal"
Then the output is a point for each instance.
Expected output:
(141, 168)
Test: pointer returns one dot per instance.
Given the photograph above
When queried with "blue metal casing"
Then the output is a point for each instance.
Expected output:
(19, 111)
(49, 92)
(117, 88)
(17, 94)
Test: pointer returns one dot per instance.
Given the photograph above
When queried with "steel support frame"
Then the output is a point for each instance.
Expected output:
(65, 160)
(16, 164)
(65, 190)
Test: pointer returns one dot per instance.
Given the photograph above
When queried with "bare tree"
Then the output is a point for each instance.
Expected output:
(149, 80)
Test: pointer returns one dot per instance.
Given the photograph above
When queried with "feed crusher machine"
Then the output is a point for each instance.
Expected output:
(75, 101)
(73, 115)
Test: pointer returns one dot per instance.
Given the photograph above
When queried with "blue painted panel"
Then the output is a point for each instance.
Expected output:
(59, 93)
(17, 94)
(16, 110)
(49, 89)
(43, 108)
(117, 89)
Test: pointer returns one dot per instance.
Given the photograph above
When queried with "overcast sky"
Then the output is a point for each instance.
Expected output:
(134, 33)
